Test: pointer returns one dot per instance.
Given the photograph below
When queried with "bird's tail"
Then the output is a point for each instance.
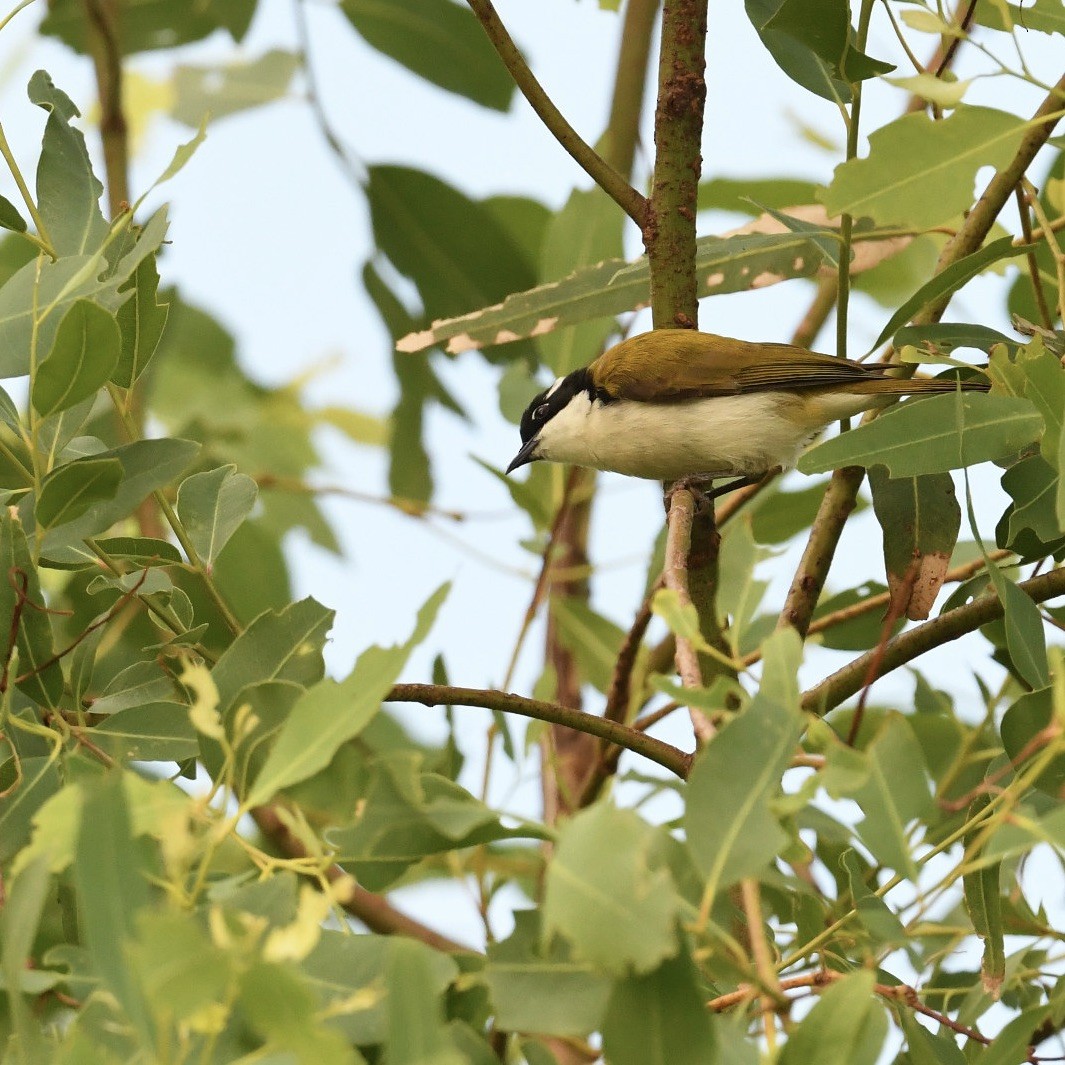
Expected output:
(908, 386)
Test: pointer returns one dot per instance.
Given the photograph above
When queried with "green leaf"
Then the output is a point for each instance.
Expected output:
(156, 732)
(897, 793)
(1011, 1043)
(454, 249)
(110, 879)
(921, 172)
(744, 195)
(71, 490)
(920, 518)
(82, 358)
(40, 781)
(542, 987)
(20, 919)
(924, 1048)
(944, 338)
(605, 898)
(212, 505)
(933, 434)
(1032, 484)
(331, 713)
(947, 281)
(151, 24)
(10, 217)
(350, 971)
(1021, 723)
(593, 639)
(846, 1027)
(1025, 638)
(723, 264)
(823, 26)
(206, 94)
(42, 678)
(416, 1032)
(282, 645)
(731, 829)
(68, 193)
(183, 973)
(586, 231)
(146, 466)
(141, 320)
(881, 923)
(800, 63)
(407, 814)
(983, 900)
(659, 1017)
(438, 40)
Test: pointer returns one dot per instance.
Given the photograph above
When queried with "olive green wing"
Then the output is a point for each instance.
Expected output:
(670, 365)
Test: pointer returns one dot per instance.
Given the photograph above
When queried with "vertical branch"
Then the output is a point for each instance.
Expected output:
(669, 231)
(102, 17)
(669, 236)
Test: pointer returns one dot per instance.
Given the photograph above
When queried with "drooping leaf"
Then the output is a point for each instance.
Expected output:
(659, 1016)
(846, 1027)
(983, 900)
(415, 1014)
(731, 829)
(542, 987)
(41, 678)
(438, 40)
(896, 793)
(824, 27)
(10, 217)
(920, 518)
(110, 877)
(803, 65)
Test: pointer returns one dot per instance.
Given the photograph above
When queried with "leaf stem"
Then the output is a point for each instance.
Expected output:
(44, 241)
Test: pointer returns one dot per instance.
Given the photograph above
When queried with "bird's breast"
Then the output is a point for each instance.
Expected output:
(721, 436)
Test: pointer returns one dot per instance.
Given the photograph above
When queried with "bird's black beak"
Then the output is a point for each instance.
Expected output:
(526, 455)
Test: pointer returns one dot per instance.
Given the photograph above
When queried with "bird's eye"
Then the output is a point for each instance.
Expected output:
(541, 412)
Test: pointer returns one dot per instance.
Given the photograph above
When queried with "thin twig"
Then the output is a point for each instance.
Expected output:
(602, 173)
(664, 754)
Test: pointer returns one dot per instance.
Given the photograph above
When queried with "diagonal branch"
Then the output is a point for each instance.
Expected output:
(665, 754)
(597, 168)
(908, 645)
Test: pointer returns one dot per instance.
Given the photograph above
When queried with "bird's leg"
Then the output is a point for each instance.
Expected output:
(700, 488)
(732, 486)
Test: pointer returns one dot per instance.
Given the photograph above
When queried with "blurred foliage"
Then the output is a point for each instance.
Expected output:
(159, 683)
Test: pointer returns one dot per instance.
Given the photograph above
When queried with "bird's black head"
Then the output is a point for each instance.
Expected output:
(547, 404)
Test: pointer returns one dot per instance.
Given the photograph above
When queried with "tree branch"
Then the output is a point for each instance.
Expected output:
(678, 547)
(664, 754)
(102, 17)
(597, 168)
(909, 645)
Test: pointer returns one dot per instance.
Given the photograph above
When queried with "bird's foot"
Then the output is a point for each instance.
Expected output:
(704, 492)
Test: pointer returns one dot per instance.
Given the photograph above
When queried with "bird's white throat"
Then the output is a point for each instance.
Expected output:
(721, 437)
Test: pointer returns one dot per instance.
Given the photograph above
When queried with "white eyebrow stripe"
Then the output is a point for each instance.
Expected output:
(554, 388)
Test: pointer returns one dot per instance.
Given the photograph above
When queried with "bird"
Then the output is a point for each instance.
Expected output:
(682, 406)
